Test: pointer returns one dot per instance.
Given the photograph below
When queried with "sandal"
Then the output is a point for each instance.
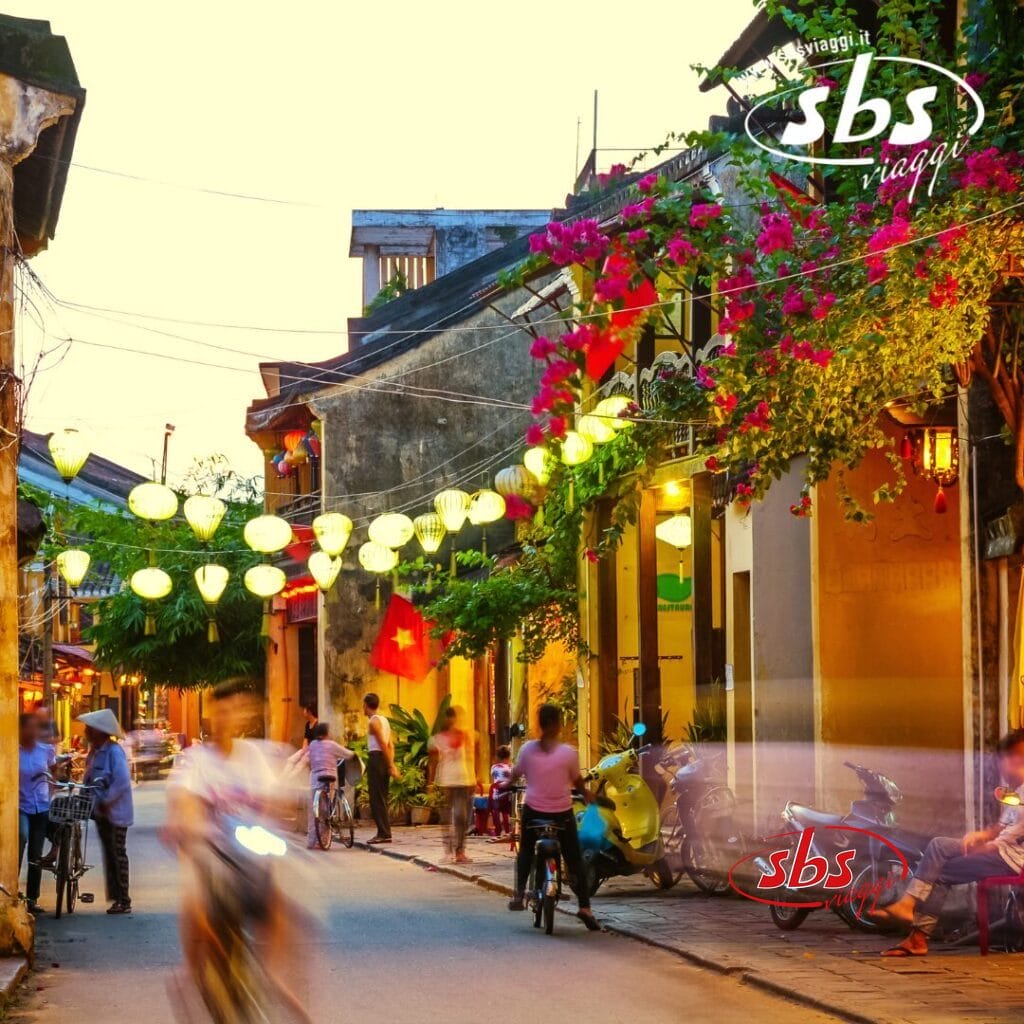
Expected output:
(902, 951)
(590, 921)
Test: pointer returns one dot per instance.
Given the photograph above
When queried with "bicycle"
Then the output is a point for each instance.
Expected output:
(332, 814)
(70, 809)
(546, 884)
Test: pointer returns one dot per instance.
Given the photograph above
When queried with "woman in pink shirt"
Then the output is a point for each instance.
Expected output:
(552, 771)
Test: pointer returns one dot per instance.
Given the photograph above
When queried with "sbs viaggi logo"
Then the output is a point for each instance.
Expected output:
(902, 124)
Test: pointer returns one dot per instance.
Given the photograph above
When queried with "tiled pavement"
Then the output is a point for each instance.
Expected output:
(823, 963)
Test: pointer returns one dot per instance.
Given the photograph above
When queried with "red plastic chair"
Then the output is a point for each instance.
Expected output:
(984, 887)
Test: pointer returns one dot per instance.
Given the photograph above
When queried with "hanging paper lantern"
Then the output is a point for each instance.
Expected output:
(264, 580)
(611, 409)
(317, 428)
(393, 529)
(540, 463)
(677, 531)
(486, 507)
(332, 531)
(453, 507)
(153, 502)
(210, 581)
(516, 480)
(576, 449)
(378, 558)
(430, 532)
(151, 583)
(267, 534)
(313, 446)
(595, 429)
(281, 467)
(296, 457)
(324, 569)
(204, 514)
(292, 439)
(69, 450)
(73, 564)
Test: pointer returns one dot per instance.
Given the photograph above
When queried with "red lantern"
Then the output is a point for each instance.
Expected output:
(292, 439)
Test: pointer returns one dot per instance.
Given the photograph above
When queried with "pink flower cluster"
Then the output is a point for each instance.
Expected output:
(802, 508)
(576, 242)
(945, 293)
(702, 214)
(991, 170)
(776, 233)
(804, 351)
(518, 508)
(886, 237)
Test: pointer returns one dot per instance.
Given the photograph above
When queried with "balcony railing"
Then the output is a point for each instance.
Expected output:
(302, 509)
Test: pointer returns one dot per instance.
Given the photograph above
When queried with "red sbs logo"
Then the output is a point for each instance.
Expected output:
(825, 868)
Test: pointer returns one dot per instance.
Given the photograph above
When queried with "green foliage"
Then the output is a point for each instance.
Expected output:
(565, 696)
(708, 724)
(398, 285)
(621, 735)
(412, 733)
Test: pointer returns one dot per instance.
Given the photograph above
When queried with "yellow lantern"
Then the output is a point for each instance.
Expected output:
(540, 463)
(430, 531)
(596, 429)
(485, 507)
(210, 581)
(610, 409)
(378, 559)
(69, 451)
(453, 507)
(324, 569)
(151, 584)
(153, 502)
(73, 564)
(332, 531)
(264, 580)
(516, 480)
(576, 449)
(267, 535)
(392, 529)
(677, 531)
(204, 514)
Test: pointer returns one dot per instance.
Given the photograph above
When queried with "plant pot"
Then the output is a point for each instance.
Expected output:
(420, 815)
(398, 815)
(363, 812)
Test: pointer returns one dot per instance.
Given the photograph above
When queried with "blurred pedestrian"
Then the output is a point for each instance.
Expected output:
(380, 768)
(106, 768)
(35, 759)
(322, 755)
(501, 792)
(451, 770)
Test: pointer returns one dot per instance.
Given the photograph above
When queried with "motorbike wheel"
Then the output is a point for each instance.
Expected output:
(662, 875)
(708, 878)
(856, 914)
(788, 919)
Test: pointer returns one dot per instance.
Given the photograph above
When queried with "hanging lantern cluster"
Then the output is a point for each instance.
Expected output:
(299, 447)
(934, 453)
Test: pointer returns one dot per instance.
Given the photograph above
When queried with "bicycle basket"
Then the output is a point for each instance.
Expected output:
(72, 807)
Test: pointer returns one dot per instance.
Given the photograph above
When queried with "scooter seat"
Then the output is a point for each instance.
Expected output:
(808, 816)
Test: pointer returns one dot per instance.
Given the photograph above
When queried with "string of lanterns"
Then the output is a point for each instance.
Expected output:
(515, 487)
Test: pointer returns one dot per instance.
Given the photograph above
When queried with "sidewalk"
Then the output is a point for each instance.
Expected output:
(823, 964)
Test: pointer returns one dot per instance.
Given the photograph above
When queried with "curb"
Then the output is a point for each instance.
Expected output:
(744, 974)
(12, 973)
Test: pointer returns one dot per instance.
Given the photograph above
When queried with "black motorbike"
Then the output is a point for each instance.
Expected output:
(883, 853)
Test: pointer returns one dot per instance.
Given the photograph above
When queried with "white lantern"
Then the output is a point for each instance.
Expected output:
(264, 581)
(576, 449)
(69, 450)
(204, 514)
(378, 558)
(267, 534)
(430, 532)
(540, 463)
(486, 507)
(453, 507)
(324, 569)
(596, 429)
(73, 564)
(153, 502)
(211, 580)
(516, 480)
(610, 409)
(392, 529)
(677, 531)
(332, 531)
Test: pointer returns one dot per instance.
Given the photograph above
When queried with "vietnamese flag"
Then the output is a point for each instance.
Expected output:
(403, 644)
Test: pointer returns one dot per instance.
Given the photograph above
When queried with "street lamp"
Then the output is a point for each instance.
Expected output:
(69, 451)
(210, 581)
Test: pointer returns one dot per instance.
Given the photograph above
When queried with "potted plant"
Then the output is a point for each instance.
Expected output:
(401, 792)
(421, 808)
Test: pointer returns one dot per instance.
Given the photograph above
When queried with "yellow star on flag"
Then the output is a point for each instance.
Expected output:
(403, 638)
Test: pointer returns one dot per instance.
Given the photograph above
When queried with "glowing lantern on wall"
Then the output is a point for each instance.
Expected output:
(453, 507)
(596, 429)
(265, 581)
(392, 529)
(69, 451)
(540, 463)
(430, 531)
(516, 480)
(153, 502)
(151, 584)
(485, 507)
(576, 449)
(267, 534)
(73, 564)
(210, 581)
(204, 515)
(324, 569)
(332, 531)
(935, 455)
(610, 409)
(677, 531)
(378, 559)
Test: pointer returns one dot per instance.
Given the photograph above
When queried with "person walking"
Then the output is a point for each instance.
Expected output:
(106, 768)
(35, 759)
(380, 767)
(451, 770)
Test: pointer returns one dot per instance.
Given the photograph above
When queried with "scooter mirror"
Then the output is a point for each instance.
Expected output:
(1010, 797)
(639, 729)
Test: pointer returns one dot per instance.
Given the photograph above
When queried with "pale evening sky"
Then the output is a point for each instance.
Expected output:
(336, 105)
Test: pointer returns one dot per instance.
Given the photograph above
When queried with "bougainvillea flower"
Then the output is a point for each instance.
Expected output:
(542, 348)
(535, 435)
(702, 214)
(557, 426)
(945, 292)
(648, 182)
(725, 401)
(704, 379)
(681, 250)
(517, 507)
(711, 464)
(776, 234)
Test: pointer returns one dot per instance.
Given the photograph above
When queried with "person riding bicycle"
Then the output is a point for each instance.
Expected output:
(552, 771)
(322, 755)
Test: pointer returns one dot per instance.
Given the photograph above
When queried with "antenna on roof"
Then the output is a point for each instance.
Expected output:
(595, 128)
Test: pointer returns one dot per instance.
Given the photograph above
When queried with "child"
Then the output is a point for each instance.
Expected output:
(323, 755)
(500, 796)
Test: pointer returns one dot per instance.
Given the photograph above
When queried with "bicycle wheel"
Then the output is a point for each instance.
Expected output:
(63, 867)
(346, 823)
(322, 818)
(701, 865)
(76, 868)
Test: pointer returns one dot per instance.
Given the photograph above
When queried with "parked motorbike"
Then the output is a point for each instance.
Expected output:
(630, 841)
(871, 830)
(702, 836)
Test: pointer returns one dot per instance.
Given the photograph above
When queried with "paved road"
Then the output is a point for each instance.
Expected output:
(397, 944)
